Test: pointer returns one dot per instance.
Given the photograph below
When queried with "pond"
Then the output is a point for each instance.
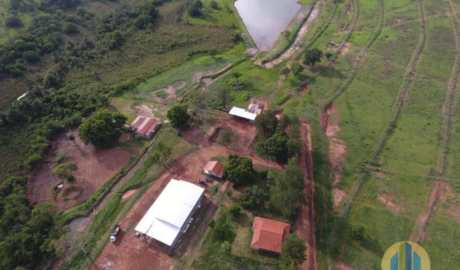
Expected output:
(266, 19)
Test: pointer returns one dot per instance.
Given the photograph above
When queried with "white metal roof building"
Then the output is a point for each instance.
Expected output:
(171, 213)
(239, 112)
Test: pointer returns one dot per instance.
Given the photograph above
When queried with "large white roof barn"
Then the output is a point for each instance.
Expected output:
(169, 216)
(239, 112)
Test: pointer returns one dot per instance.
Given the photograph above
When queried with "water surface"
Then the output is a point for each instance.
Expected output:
(266, 19)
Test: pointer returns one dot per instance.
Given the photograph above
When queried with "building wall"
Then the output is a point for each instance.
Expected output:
(185, 224)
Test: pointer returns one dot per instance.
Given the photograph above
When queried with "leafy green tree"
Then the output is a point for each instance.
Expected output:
(101, 129)
(236, 75)
(161, 152)
(266, 123)
(13, 21)
(296, 68)
(31, 56)
(195, 9)
(357, 232)
(293, 250)
(293, 146)
(288, 193)
(224, 96)
(70, 28)
(178, 116)
(32, 160)
(276, 146)
(252, 197)
(285, 71)
(214, 5)
(234, 209)
(312, 57)
(239, 170)
(64, 170)
(222, 230)
(284, 122)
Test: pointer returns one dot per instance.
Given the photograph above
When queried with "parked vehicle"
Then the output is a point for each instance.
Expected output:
(201, 181)
(209, 180)
(113, 236)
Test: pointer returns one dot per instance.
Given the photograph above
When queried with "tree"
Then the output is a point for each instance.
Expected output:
(239, 170)
(357, 232)
(234, 209)
(276, 146)
(286, 34)
(266, 123)
(64, 171)
(328, 55)
(293, 250)
(312, 57)
(13, 21)
(70, 28)
(194, 9)
(222, 229)
(252, 197)
(288, 193)
(161, 152)
(293, 146)
(284, 122)
(31, 56)
(101, 129)
(285, 71)
(236, 75)
(296, 68)
(214, 5)
(224, 96)
(178, 116)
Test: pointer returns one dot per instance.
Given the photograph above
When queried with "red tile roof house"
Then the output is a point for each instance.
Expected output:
(214, 168)
(269, 234)
(145, 126)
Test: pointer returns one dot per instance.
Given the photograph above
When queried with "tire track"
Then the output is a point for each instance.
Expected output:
(404, 88)
(449, 104)
(358, 61)
(357, 65)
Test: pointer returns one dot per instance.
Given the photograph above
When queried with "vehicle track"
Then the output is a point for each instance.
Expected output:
(404, 88)
(358, 61)
(449, 103)
(356, 66)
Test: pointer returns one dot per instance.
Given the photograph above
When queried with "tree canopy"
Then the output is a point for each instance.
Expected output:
(266, 123)
(64, 170)
(178, 116)
(296, 68)
(222, 229)
(312, 57)
(292, 251)
(287, 194)
(277, 146)
(239, 170)
(100, 130)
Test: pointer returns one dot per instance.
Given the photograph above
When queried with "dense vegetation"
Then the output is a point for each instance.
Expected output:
(63, 40)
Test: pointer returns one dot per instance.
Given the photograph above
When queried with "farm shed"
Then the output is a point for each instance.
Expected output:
(214, 168)
(171, 214)
(242, 113)
(145, 126)
(269, 234)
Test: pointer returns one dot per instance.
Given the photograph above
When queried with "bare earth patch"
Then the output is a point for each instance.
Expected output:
(338, 197)
(303, 89)
(128, 194)
(133, 253)
(170, 91)
(125, 137)
(387, 199)
(144, 110)
(418, 233)
(95, 166)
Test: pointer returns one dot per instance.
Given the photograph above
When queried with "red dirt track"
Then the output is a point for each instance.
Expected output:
(132, 253)
(95, 166)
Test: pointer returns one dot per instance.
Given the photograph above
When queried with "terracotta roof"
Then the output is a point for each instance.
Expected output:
(269, 234)
(145, 125)
(214, 166)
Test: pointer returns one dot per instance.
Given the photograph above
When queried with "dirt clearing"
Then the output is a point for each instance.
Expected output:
(95, 166)
(133, 253)
(387, 199)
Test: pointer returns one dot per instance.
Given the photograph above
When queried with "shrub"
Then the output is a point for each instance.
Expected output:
(32, 160)
(13, 21)
(214, 5)
(225, 137)
(70, 28)
(31, 56)
(234, 209)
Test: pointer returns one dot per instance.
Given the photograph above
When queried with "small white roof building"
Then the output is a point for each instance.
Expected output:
(239, 112)
(171, 211)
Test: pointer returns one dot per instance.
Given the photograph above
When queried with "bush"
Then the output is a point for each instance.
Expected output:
(195, 9)
(225, 137)
(32, 160)
(222, 229)
(356, 232)
(31, 56)
(214, 5)
(70, 28)
(234, 209)
(13, 21)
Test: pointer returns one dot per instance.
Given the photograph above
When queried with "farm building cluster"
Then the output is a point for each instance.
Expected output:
(254, 109)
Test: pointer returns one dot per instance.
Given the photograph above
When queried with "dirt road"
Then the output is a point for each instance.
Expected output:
(306, 220)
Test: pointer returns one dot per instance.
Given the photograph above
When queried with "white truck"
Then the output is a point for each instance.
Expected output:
(113, 236)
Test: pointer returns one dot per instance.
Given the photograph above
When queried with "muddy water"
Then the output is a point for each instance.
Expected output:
(266, 19)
